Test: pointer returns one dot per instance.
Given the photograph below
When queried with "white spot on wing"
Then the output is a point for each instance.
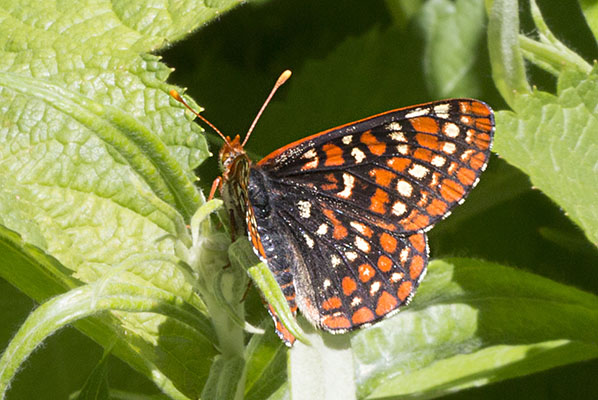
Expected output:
(451, 130)
(322, 230)
(398, 137)
(403, 255)
(312, 164)
(399, 208)
(362, 244)
(438, 161)
(374, 288)
(356, 301)
(351, 255)
(347, 139)
(403, 149)
(418, 171)
(404, 188)
(349, 182)
(358, 155)
(327, 283)
(359, 227)
(394, 126)
(309, 241)
(395, 277)
(449, 148)
(311, 153)
(335, 261)
(442, 110)
(418, 112)
(304, 207)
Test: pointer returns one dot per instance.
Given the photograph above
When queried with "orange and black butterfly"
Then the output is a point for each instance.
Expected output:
(340, 217)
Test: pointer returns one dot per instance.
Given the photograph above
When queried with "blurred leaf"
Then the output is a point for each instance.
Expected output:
(453, 32)
(551, 138)
(96, 386)
(590, 10)
(474, 323)
(548, 52)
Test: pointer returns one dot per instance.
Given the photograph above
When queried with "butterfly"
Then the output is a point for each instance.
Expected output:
(340, 217)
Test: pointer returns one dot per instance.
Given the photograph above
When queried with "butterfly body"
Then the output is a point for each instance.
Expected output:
(340, 217)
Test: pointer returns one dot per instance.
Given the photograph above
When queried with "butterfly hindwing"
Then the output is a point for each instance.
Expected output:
(346, 273)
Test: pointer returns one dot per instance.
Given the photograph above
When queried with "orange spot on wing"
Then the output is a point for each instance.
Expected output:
(332, 303)
(383, 177)
(482, 140)
(423, 154)
(349, 285)
(399, 164)
(386, 303)
(418, 242)
(404, 290)
(366, 272)
(480, 109)
(425, 124)
(429, 141)
(483, 124)
(477, 161)
(339, 232)
(362, 316)
(333, 185)
(336, 322)
(415, 220)
(437, 207)
(451, 191)
(374, 145)
(388, 242)
(466, 176)
(334, 155)
(384, 263)
(416, 267)
(378, 201)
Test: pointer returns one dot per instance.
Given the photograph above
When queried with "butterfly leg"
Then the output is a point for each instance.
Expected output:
(217, 184)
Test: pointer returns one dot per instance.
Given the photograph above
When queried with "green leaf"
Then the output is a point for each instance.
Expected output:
(97, 182)
(453, 32)
(266, 363)
(508, 69)
(473, 323)
(88, 300)
(552, 138)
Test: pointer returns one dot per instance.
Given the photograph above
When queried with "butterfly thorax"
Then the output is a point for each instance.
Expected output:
(235, 174)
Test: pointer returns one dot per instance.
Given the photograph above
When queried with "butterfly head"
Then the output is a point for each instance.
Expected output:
(231, 153)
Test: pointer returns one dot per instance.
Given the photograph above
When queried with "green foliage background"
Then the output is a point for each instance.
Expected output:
(512, 291)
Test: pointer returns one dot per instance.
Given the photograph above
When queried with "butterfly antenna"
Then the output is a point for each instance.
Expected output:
(175, 95)
(281, 80)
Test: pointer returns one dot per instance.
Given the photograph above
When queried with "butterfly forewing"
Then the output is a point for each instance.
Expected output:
(410, 166)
